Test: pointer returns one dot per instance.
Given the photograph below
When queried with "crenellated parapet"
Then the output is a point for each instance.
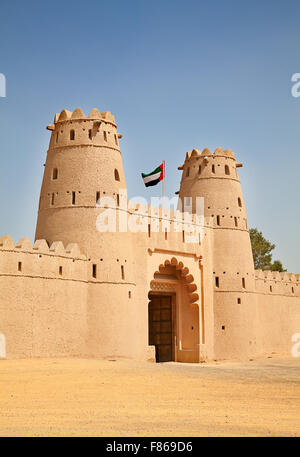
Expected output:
(75, 129)
(41, 260)
(277, 283)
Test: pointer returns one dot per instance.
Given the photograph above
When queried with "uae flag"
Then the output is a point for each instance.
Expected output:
(154, 177)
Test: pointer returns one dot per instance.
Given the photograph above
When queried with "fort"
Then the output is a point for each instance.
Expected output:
(146, 295)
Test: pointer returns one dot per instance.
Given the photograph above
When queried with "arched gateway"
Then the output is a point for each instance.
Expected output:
(174, 313)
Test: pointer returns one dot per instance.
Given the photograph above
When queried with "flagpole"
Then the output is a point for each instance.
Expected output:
(164, 186)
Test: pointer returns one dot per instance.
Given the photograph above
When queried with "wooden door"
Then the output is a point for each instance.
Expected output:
(160, 327)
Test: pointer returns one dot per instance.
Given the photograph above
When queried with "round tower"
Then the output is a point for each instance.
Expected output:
(215, 177)
(84, 164)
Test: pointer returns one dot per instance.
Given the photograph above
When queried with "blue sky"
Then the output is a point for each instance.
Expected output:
(177, 75)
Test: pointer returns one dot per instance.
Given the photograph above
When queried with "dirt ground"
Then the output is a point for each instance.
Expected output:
(87, 397)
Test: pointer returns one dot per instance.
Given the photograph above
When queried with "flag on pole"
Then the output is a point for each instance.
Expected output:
(154, 177)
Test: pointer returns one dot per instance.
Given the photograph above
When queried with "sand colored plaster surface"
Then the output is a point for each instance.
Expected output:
(75, 397)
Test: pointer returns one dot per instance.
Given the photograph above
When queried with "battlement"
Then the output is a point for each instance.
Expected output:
(275, 282)
(206, 154)
(78, 114)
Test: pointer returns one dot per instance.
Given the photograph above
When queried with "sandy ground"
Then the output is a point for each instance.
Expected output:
(87, 397)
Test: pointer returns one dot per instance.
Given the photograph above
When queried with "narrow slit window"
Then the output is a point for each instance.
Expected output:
(60, 271)
(90, 134)
(243, 283)
(271, 289)
(19, 266)
(52, 199)
(149, 230)
(97, 196)
(235, 221)
(122, 272)
(73, 198)
(56, 139)
(166, 234)
(105, 136)
(217, 281)
(292, 290)
(118, 200)
(213, 169)
(117, 176)
(129, 294)
(55, 173)
(187, 172)
(239, 202)
(116, 140)
(72, 134)
(94, 271)
(239, 301)
(199, 170)
(183, 237)
(227, 171)
(218, 220)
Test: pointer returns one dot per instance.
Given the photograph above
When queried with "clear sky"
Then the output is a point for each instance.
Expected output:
(177, 75)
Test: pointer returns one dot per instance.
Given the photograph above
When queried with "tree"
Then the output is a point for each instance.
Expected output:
(262, 252)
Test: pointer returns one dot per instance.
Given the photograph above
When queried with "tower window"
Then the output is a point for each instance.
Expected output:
(227, 171)
(187, 172)
(166, 234)
(243, 283)
(55, 173)
(239, 202)
(52, 199)
(149, 230)
(90, 134)
(292, 290)
(239, 301)
(72, 134)
(122, 272)
(217, 281)
(183, 237)
(199, 170)
(271, 289)
(97, 196)
(117, 177)
(116, 140)
(73, 198)
(105, 136)
(235, 221)
(19, 266)
(213, 169)
(94, 271)
(118, 200)
(56, 139)
(60, 271)
(129, 294)
(218, 220)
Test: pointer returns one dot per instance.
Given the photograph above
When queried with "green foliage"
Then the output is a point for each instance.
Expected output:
(262, 252)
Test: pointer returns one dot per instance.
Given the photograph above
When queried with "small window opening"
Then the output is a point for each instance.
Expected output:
(227, 171)
(271, 289)
(105, 136)
(60, 271)
(166, 234)
(117, 176)
(235, 222)
(239, 301)
(243, 283)
(118, 200)
(72, 134)
(292, 290)
(56, 139)
(19, 266)
(239, 202)
(52, 199)
(116, 140)
(73, 198)
(149, 230)
(218, 220)
(217, 281)
(187, 172)
(213, 169)
(90, 134)
(183, 237)
(97, 196)
(55, 173)
(199, 170)
(129, 294)
(223, 327)
(122, 272)
(94, 271)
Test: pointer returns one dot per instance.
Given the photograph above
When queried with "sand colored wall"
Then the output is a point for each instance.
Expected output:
(43, 313)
